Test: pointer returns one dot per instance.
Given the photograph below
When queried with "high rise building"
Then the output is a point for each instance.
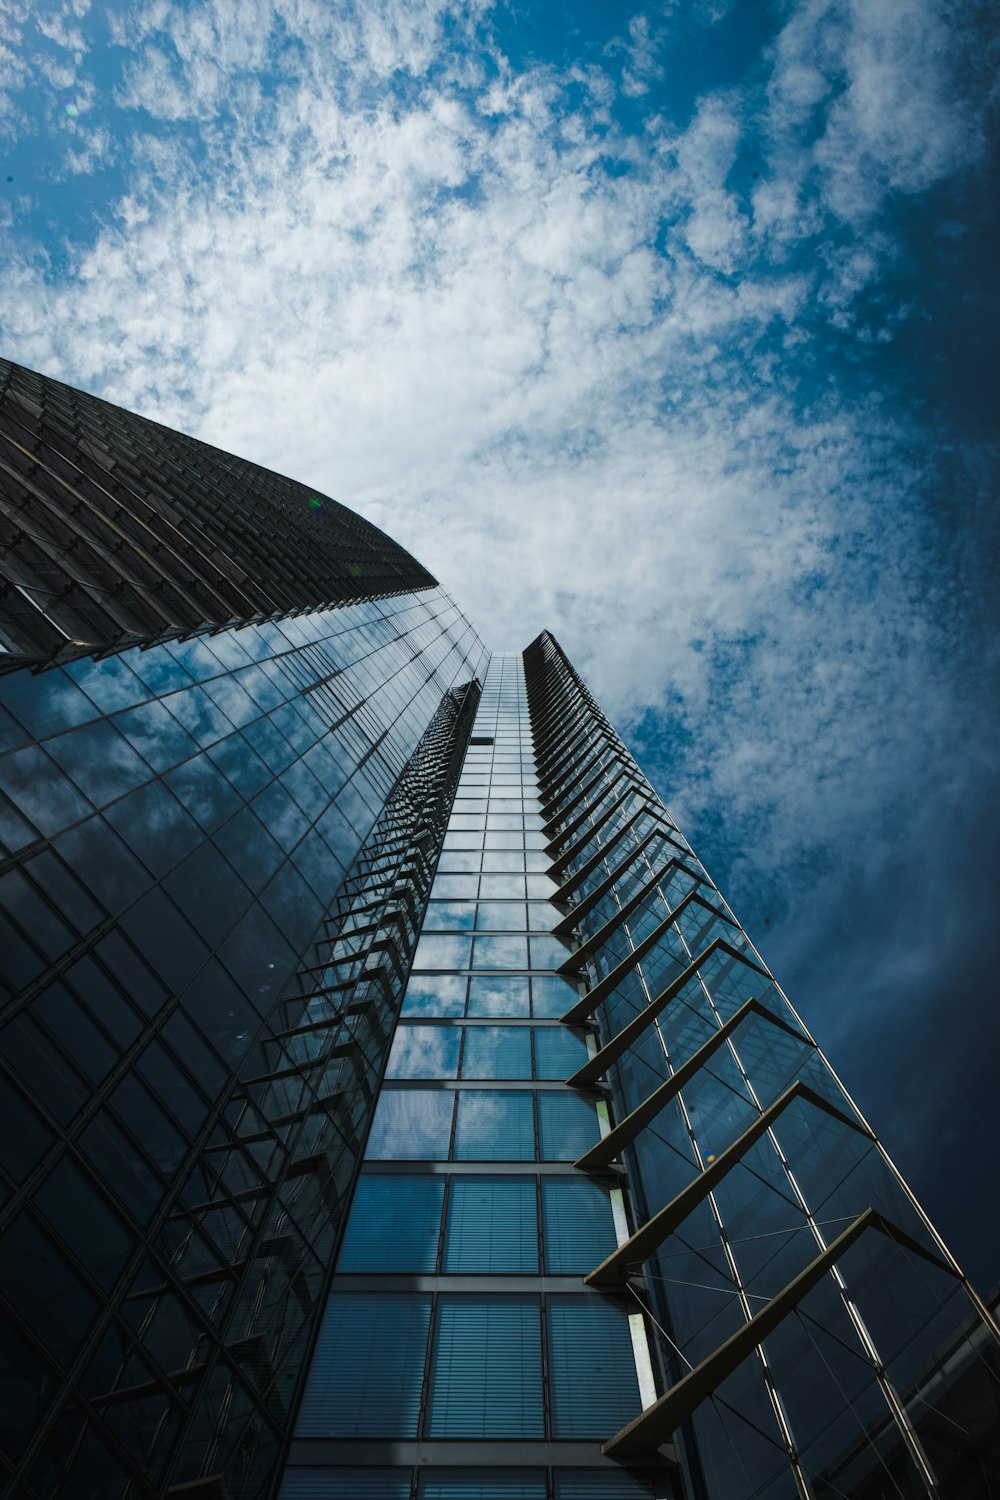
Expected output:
(393, 1107)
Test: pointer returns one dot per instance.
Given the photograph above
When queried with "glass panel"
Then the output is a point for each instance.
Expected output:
(552, 997)
(498, 996)
(547, 953)
(482, 1484)
(567, 1126)
(501, 953)
(492, 1225)
(500, 916)
(578, 1231)
(558, 1052)
(367, 1371)
(602, 1484)
(424, 1052)
(448, 916)
(345, 1484)
(486, 1373)
(443, 953)
(394, 1225)
(497, 1052)
(439, 995)
(412, 1124)
(593, 1389)
(494, 1126)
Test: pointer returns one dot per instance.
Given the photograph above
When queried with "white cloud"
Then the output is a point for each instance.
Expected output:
(446, 301)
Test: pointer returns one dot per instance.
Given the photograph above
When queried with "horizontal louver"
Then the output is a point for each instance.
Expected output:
(593, 1386)
(578, 1230)
(345, 1484)
(368, 1367)
(477, 1484)
(394, 1225)
(494, 1126)
(497, 1052)
(567, 1126)
(604, 1484)
(486, 1379)
(558, 1052)
(412, 1124)
(492, 1226)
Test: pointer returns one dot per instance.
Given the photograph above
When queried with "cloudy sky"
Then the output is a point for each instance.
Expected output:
(672, 328)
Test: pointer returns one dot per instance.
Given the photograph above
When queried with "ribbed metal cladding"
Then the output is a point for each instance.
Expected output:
(116, 530)
(744, 1160)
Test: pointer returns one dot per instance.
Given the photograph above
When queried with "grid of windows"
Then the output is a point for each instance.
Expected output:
(455, 1189)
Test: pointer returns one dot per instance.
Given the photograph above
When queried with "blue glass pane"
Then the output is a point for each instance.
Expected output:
(602, 1484)
(501, 953)
(412, 1124)
(498, 995)
(497, 1052)
(494, 1126)
(367, 1371)
(593, 1390)
(548, 953)
(567, 1126)
(345, 1484)
(578, 1231)
(558, 1052)
(482, 1484)
(552, 997)
(486, 1374)
(424, 1052)
(394, 1225)
(448, 916)
(492, 1225)
(434, 995)
(439, 952)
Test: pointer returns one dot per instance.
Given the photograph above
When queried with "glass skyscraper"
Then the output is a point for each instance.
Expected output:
(392, 1105)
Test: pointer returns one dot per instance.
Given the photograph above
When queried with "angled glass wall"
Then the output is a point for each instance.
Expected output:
(803, 1308)
(215, 853)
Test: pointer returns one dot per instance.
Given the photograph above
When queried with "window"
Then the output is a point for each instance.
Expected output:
(498, 995)
(552, 997)
(578, 1231)
(593, 1389)
(497, 1052)
(495, 1126)
(367, 1371)
(440, 995)
(412, 1124)
(492, 1226)
(394, 1225)
(443, 953)
(486, 1370)
(567, 1126)
(558, 1052)
(501, 953)
(448, 916)
(424, 1052)
(480, 1484)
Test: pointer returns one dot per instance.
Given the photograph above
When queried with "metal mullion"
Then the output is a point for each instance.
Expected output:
(622, 1040)
(561, 864)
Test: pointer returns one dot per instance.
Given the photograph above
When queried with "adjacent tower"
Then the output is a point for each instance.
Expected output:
(393, 1107)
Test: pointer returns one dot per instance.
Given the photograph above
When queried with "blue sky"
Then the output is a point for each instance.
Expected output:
(671, 328)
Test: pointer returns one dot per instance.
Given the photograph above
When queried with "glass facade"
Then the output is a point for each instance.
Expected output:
(216, 851)
(116, 529)
(390, 1104)
(460, 1337)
